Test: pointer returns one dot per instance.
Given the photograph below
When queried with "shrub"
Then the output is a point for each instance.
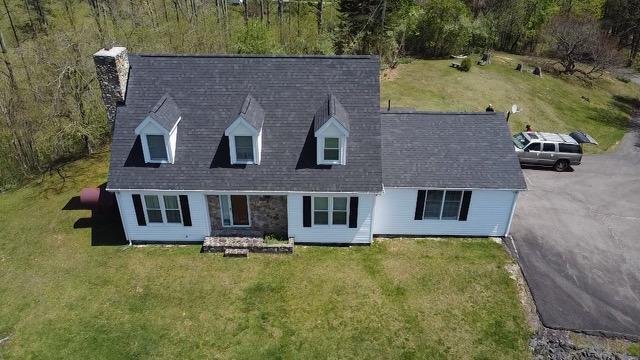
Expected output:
(466, 64)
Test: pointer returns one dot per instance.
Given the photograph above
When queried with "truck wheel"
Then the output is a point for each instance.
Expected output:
(561, 165)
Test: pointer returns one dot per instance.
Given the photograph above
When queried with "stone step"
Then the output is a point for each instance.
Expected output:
(236, 252)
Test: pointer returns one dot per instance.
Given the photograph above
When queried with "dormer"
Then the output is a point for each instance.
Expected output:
(159, 131)
(245, 133)
(331, 124)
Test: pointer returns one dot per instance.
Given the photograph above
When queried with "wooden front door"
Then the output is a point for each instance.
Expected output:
(240, 210)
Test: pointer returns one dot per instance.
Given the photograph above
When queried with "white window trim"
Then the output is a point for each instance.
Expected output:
(158, 131)
(234, 155)
(342, 139)
(162, 211)
(329, 211)
(256, 138)
(232, 225)
(444, 195)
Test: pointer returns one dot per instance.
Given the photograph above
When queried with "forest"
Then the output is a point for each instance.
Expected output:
(50, 105)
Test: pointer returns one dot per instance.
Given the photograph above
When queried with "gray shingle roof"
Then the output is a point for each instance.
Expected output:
(331, 108)
(166, 112)
(448, 150)
(209, 90)
(252, 112)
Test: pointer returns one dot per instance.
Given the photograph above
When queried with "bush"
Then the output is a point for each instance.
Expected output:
(443, 28)
(466, 64)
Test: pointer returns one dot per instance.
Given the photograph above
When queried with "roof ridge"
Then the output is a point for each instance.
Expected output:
(269, 56)
(383, 112)
(246, 104)
(160, 102)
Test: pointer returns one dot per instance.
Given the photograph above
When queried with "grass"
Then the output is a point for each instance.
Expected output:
(548, 104)
(63, 298)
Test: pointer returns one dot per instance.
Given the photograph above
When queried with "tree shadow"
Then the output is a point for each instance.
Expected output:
(626, 104)
(136, 156)
(222, 157)
(104, 222)
(307, 158)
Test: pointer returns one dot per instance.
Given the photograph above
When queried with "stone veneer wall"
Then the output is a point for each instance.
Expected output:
(268, 213)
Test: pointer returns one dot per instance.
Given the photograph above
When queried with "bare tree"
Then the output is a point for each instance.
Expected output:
(246, 11)
(320, 9)
(580, 46)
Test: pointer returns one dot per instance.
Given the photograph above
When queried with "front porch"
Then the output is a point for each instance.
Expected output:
(242, 221)
(249, 240)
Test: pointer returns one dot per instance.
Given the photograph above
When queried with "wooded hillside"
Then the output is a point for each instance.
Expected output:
(50, 107)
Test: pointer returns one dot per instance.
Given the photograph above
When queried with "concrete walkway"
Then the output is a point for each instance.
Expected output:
(576, 236)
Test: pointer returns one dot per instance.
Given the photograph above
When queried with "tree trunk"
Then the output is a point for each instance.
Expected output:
(246, 12)
(268, 12)
(13, 84)
(261, 10)
(13, 27)
(320, 19)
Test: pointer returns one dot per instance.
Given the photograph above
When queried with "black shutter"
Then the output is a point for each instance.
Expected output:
(186, 213)
(137, 204)
(306, 211)
(420, 204)
(353, 212)
(464, 208)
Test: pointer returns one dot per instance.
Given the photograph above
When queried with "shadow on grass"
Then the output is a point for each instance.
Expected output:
(104, 222)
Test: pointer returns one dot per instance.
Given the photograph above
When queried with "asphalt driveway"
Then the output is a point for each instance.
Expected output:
(577, 238)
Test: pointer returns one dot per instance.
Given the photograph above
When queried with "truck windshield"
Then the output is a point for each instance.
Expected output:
(520, 141)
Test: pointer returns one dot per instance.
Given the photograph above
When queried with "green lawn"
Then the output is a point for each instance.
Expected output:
(63, 298)
(548, 103)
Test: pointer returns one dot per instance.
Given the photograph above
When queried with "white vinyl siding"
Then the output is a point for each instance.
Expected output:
(361, 234)
(165, 231)
(489, 215)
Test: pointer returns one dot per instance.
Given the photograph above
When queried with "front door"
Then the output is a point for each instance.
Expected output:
(240, 210)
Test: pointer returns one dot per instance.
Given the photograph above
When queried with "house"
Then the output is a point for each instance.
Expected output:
(295, 146)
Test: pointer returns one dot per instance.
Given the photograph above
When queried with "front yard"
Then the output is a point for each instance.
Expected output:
(63, 298)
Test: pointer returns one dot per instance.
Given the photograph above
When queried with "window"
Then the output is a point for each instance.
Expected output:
(154, 212)
(433, 204)
(568, 148)
(534, 147)
(172, 209)
(451, 206)
(549, 147)
(169, 206)
(157, 149)
(321, 210)
(442, 204)
(330, 211)
(331, 149)
(225, 204)
(339, 216)
(244, 148)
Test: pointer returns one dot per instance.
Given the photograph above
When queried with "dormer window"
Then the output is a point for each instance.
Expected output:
(331, 149)
(157, 148)
(159, 131)
(244, 148)
(331, 125)
(245, 133)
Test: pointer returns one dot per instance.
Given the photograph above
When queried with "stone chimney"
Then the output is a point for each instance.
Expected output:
(112, 70)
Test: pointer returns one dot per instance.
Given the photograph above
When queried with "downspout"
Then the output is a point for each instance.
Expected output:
(513, 210)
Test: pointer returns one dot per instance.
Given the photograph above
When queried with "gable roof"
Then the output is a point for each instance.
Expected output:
(166, 112)
(449, 150)
(252, 112)
(288, 89)
(331, 108)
